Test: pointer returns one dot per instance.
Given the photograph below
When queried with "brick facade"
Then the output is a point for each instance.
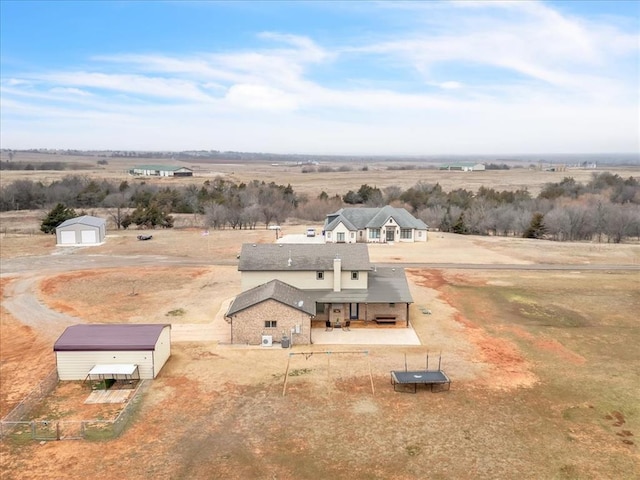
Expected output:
(248, 326)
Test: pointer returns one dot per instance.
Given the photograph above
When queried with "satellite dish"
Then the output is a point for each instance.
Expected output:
(300, 303)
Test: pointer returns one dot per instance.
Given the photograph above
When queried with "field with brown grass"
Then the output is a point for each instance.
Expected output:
(375, 173)
(545, 363)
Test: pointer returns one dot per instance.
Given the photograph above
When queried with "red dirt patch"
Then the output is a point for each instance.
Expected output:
(508, 368)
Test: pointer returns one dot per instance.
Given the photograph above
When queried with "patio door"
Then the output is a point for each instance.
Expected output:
(353, 311)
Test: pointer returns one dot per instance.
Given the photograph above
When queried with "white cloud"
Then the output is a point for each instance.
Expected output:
(260, 97)
(567, 88)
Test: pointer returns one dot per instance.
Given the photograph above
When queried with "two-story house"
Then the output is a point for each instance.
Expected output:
(374, 225)
(286, 286)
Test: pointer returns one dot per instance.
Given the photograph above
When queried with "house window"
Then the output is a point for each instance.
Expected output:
(405, 233)
(340, 237)
(328, 234)
(361, 232)
(374, 233)
(319, 275)
(355, 275)
(270, 323)
(320, 308)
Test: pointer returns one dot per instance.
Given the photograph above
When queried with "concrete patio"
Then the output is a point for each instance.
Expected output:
(365, 336)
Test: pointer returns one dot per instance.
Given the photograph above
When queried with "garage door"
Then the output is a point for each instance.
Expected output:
(67, 238)
(88, 236)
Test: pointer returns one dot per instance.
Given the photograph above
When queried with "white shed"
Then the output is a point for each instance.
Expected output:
(81, 347)
(85, 230)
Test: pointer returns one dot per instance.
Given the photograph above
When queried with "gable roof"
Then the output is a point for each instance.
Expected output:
(362, 218)
(304, 257)
(84, 220)
(274, 290)
(105, 337)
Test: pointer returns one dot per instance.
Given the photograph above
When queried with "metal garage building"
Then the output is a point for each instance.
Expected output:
(161, 171)
(85, 230)
(81, 347)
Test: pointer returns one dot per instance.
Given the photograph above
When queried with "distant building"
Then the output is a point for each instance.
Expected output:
(374, 225)
(464, 167)
(161, 171)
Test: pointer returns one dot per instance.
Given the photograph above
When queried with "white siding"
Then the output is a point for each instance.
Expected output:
(303, 280)
(76, 365)
(340, 228)
(162, 351)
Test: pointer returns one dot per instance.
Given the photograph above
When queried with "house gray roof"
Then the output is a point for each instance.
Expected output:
(106, 337)
(274, 290)
(386, 285)
(303, 257)
(84, 220)
(362, 218)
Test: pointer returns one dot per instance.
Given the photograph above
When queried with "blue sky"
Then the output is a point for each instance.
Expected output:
(344, 78)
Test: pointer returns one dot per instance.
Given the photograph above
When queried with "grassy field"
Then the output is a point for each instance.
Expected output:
(333, 183)
(545, 368)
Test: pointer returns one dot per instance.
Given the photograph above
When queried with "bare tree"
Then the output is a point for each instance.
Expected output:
(216, 216)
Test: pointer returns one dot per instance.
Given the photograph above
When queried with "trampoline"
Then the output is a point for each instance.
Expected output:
(427, 377)
(420, 377)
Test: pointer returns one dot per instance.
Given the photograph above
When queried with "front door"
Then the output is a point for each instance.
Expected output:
(391, 234)
(353, 311)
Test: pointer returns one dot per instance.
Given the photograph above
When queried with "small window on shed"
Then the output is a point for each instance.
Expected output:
(270, 323)
(355, 275)
(319, 275)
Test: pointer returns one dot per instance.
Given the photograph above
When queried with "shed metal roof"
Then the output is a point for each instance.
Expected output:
(304, 257)
(106, 337)
(274, 290)
(160, 168)
(84, 220)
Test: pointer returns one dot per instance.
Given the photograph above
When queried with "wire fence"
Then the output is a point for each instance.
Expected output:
(16, 430)
(28, 403)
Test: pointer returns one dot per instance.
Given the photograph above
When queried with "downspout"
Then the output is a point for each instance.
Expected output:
(407, 315)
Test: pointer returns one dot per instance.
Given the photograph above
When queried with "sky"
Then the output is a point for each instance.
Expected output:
(333, 78)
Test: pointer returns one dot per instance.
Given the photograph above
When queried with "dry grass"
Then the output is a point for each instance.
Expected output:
(544, 369)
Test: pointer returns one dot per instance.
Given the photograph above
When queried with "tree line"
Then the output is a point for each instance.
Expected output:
(604, 209)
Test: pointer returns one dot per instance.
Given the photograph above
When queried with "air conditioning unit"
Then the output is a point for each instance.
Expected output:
(267, 340)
